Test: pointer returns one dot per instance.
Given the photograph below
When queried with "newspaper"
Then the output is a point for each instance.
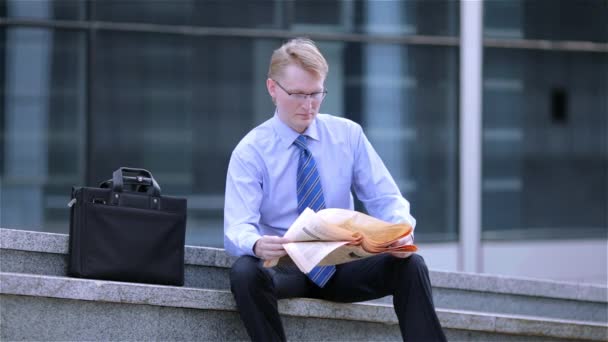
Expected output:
(335, 236)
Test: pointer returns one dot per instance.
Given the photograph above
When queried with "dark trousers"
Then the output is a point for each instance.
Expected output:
(256, 290)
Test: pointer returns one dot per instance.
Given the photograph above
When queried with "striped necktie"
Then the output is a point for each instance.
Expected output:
(310, 194)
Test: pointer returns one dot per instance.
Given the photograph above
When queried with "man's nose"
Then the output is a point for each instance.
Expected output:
(308, 101)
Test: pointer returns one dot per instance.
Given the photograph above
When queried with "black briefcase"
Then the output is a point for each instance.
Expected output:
(126, 231)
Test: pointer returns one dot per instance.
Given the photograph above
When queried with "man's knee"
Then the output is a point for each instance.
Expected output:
(417, 260)
(414, 264)
(247, 272)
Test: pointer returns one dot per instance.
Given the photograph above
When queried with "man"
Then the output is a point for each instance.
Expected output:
(300, 159)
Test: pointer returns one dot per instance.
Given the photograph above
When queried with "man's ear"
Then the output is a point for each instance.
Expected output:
(272, 88)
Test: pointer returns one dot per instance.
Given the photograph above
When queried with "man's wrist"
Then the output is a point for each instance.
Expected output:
(253, 248)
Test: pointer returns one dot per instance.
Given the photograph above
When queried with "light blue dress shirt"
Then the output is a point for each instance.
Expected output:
(261, 181)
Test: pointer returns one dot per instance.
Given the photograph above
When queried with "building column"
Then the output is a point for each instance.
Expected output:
(471, 62)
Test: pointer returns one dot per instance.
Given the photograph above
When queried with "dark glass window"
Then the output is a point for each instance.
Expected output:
(177, 104)
(545, 148)
(545, 122)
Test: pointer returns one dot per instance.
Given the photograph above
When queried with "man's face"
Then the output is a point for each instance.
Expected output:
(296, 110)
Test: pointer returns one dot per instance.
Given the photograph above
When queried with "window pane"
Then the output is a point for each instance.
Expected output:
(43, 9)
(583, 20)
(545, 157)
(42, 126)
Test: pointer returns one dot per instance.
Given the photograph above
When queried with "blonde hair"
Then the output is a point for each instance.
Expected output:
(299, 51)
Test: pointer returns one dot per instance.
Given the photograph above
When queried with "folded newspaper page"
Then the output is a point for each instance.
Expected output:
(335, 236)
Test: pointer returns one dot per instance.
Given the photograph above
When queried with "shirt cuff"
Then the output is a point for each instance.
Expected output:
(248, 244)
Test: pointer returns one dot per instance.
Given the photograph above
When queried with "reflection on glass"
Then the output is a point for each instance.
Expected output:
(42, 155)
(545, 157)
(406, 99)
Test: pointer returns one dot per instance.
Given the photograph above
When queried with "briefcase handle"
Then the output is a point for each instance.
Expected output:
(134, 176)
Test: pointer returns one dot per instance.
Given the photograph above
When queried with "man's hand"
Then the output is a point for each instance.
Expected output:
(270, 247)
(408, 240)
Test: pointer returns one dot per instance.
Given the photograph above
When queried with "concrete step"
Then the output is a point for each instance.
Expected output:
(46, 254)
(42, 307)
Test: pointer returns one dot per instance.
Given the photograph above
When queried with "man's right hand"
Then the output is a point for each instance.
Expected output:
(270, 247)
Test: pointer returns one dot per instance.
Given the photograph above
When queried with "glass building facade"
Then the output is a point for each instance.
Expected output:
(89, 86)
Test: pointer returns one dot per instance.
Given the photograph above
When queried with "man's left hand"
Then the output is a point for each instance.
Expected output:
(408, 240)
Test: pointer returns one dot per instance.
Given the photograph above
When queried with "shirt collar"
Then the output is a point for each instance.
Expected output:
(287, 135)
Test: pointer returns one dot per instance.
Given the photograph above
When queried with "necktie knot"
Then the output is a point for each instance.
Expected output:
(301, 142)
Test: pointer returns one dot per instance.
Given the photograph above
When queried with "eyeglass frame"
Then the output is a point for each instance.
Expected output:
(302, 96)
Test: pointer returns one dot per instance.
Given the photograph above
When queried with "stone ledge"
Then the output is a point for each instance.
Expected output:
(519, 286)
(203, 299)
(27, 240)
(207, 256)
(174, 296)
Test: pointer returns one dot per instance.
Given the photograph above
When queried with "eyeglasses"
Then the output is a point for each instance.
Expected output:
(318, 96)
